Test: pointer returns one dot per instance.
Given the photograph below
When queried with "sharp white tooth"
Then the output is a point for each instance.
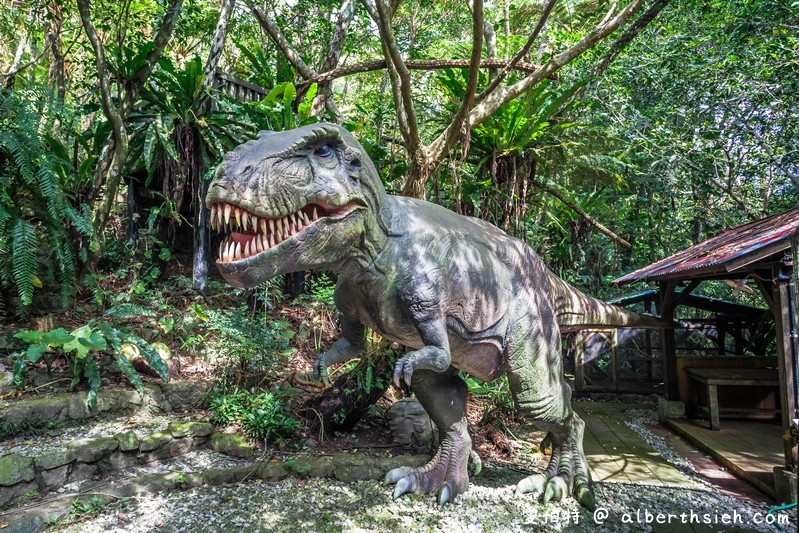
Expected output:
(221, 251)
(263, 224)
(227, 214)
(285, 228)
(246, 251)
(315, 216)
(228, 252)
(272, 240)
(237, 252)
(279, 226)
(238, 217)
(305, 218)
(245, 219)
(271, 225)
(264, 242)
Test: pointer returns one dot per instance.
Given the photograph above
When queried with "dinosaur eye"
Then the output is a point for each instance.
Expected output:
(325, 151)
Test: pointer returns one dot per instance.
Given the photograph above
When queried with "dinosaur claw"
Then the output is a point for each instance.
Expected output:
(396, 474)
(403, 485)
(534, 483)
(555, 490)
(444, 495)
(586, 498)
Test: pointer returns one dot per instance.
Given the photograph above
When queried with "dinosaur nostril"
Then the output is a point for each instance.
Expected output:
(247, 168)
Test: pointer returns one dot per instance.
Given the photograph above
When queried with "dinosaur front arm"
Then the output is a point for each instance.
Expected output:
(434, 355)
(349, 346)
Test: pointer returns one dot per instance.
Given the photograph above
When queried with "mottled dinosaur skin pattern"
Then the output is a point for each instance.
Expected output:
(459, 292)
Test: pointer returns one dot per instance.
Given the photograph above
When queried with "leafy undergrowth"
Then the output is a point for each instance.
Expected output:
(257, 346)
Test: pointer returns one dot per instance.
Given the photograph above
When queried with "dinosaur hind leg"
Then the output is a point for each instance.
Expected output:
(543, 397)
(443, 396)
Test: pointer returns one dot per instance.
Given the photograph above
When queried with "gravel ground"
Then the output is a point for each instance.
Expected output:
(321, 505)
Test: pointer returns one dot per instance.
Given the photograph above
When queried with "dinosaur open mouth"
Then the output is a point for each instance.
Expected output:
(250, 234)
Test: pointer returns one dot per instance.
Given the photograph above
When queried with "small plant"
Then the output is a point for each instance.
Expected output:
(261, 414)
(79, 347)
(83, 509)
(30, 495)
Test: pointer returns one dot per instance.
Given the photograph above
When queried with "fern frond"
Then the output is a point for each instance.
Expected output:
(24, 247)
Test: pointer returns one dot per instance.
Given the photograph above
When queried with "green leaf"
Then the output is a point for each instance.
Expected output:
(92, 373)
(131, 373)
(95, 341)
(19, 372)
(30, 335)
(149, 146)
(200, 312)
(57, 337)
(80, 348)
(35, 352)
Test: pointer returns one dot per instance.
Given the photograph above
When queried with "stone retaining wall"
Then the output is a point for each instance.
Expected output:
(173, 396)
(81, 459)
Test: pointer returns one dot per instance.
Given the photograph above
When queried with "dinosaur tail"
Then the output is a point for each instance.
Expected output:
(577, 310)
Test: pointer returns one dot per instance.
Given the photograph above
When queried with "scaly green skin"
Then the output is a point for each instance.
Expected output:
(460, 292)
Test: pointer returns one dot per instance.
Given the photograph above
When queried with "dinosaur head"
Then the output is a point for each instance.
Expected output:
(302, 199)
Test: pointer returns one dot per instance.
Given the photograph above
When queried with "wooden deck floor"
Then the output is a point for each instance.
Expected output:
(749, 449)
(616, 454)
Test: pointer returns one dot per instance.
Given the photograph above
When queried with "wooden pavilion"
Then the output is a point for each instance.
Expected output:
(765, 252)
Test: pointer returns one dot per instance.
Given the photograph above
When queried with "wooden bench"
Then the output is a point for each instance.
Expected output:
(713, 377)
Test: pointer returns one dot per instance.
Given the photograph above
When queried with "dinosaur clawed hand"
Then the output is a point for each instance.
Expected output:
(567, 470)
(446, 473)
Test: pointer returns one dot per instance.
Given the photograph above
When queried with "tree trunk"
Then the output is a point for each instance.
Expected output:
(342, 405)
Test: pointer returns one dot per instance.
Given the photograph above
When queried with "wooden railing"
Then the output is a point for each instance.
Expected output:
(239, 89)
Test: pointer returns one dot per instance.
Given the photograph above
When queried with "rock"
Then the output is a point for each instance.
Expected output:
(127, 440)
(354, 468)
(154, 440)
(13, 492)
(15, 468)
(54, 478)
(82, 471)
(193, 429)
(173, 448)
(311, 466)
(32, 523)
(185, 395)
(92, 450)
(55, 459)
(122, 460)
(273, 471)
(231, 445)
(6, 381)
(409, 423)
(223, 476)
(50, 409)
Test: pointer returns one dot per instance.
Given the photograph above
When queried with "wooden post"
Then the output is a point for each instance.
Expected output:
(785, 321)
(667, 341)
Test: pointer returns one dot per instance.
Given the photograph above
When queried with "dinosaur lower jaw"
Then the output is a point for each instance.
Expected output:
(249, 235)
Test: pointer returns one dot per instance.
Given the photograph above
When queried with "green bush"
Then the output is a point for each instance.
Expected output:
(261, 414)
(79, 347)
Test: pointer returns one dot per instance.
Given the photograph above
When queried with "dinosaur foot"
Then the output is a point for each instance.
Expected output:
(446, 474)
(567, 471)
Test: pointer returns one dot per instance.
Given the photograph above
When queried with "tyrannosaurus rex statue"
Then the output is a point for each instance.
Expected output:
(460, 292)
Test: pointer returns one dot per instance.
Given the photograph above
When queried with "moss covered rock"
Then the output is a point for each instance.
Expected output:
(190, 429)
(92, 450)
(55, 459)
(128, 441)
(231, 445)
(15, 468)
(154, 440)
